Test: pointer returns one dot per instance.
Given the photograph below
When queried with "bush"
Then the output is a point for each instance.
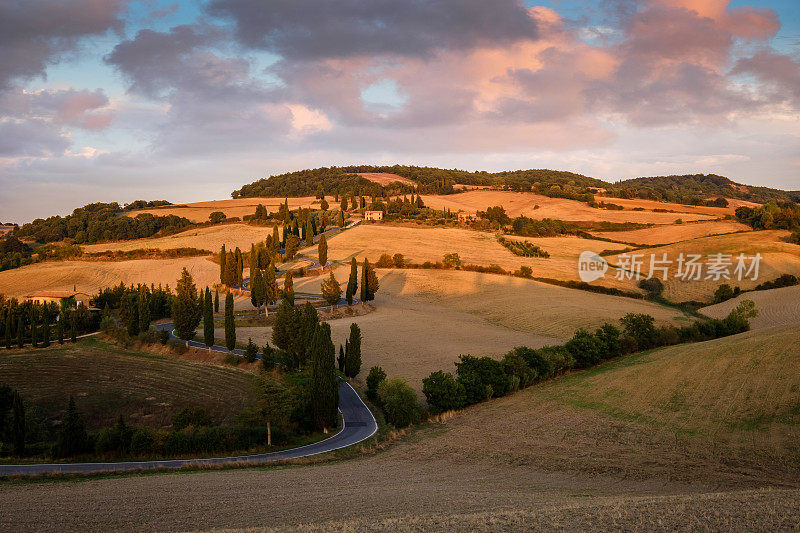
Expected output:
(399, 260)
(482, 378)
(653, 286)
(525, 272)
(514, 365)
(399, 402)
(163, 336)
(523, 248)
(641, 327)
(251, 352)
(586, 349)
(143, 442)
(375, 377)
(725, 292)
(191, 416)
(385, 261)
(443, 392)
(452, 260)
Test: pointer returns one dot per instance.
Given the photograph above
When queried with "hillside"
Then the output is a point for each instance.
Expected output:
(683, 433)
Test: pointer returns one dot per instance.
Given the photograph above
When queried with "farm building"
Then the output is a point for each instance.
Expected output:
(46, 297)
(373, 215)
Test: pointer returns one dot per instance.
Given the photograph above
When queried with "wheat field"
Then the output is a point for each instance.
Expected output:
(775, 307)
(235, 207)
(671, 233)
(208, 238)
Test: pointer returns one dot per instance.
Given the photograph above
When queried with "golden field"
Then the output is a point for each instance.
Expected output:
(775, 307)
(524, 203)
(235, 207)
(672, 233)
(209, 238)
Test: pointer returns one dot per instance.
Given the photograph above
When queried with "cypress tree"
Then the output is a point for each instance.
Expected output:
(60, 330)
(270, 288)
(340, 359)
(129, 313)
(21, 331)
(216, 300)
(208, 320)
(143, 311)
(275, 240)
(252, 260)
(288, 288)
(324, 386)
(343, 206)
(364, 286)
(323, 251)
(341, 219)
(308, 325)
(222, 263)
(352, 283)
(45, 326)
(372, 283)
(9, 318)
(230, 325)
(72, 436)
(256, 288)
(239, 268)
(73, 326)
(17, 425)
(186, 311)
(353, 358)
(34, 325)
(309, 232)
(229, 276)
(280, 326)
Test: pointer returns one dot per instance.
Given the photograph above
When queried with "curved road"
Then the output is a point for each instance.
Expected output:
(358, 424)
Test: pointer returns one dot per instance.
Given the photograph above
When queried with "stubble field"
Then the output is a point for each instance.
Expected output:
(209, 238)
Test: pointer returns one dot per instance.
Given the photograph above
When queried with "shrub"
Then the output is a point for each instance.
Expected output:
(653, 286)
(585, 348)
(514, 365)
(251, 352)
(725, 292)
(641, 327)
(443, 392)
(452, 260)
(191, 416)
(525, 272)
(385, 261)
(163, 336)
(399, 402)
(523, 248)
(375, 377)
(482, 378)
(399, 260)
(216, 217)
(143, 442)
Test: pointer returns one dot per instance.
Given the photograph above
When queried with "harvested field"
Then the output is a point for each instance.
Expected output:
(107, 381)
(210, 238)
(235, 207)
(778, 257)
(672, 233)
(385, 178)
(541, 458)
(633, 203)
(523, 203)
(775, 307)
(91, 277)
(420, 244)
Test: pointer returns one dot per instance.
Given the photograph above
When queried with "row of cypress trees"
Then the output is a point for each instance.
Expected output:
(37, 328)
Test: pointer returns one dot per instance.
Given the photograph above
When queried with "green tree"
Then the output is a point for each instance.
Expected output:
(375, 377)
(9, 318)
(352, 283)
(280, 326)
(229, 274)
(324, 386)
(129, 313)
(251, 351)
(239, 268)
(323, 251)
(72, 438)
(340, 219)
(341, 359)
(641, 328)
(270, 288)
(369, 282)
(331, 291)
(352, 363)
(217, 216)
(288, 287)
(34, 325)
(230, 325)
(186, 307)
(443, 392)
(21, 332)
(223, 256)
(307, 320)
(274, 401)
(216, 300)
(292, 246)
(276, 242)
(364, 286)
(309, 233)
(45, 326)
(208, 320)
(256, 288)
(399, 402)
(60, 331)
(73, 326)
(18, 425)
(143, 311)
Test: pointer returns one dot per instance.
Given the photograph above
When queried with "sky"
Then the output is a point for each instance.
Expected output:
(115, 100)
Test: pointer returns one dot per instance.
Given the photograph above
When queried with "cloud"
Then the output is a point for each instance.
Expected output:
(321, 29)
(779, 73)
(36, 32)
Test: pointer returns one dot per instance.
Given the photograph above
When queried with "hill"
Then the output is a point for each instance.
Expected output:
(688, 434)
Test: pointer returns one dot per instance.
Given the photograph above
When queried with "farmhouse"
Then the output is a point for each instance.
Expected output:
(46, 297)
(373, 215)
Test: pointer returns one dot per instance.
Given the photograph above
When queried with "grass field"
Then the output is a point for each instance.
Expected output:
(674, 232)
(682, 437)
(523, 203)
(209, 238)
(235, 207)
(107, 381)
(778, 257)
(90, 277)
(775, 307)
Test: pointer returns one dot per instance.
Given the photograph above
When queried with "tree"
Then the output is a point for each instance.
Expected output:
(59, 331)
(340, 219)
(399, 402)
(324, 386)
(17, 425)
(443, 392)
(45, 326)
(641, 328)
(239, 268)
(208, 320)
(21, 332)
(324, 205)
(34, 325)
(217, 216)
(306, 320)
(331, 290)
(251, 351)
(270, 288)
(352, 362)
(343, 206)
(73, 326)
(292, 246)
(276, 241)
(72, 438)
(230, 325)
(9, 318)
(256, 288)
(216, 300)
(186, 307)
(222, 259)
(274, 401)
(340, 360)
(229, 275)
(375, 377)
(452, 260)
(129, 313)
(369, 282)
(143, 311)
(309, 233)
(288, 288)
(281, 327)
(322, 249)
(352, 283)
(364, 287)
